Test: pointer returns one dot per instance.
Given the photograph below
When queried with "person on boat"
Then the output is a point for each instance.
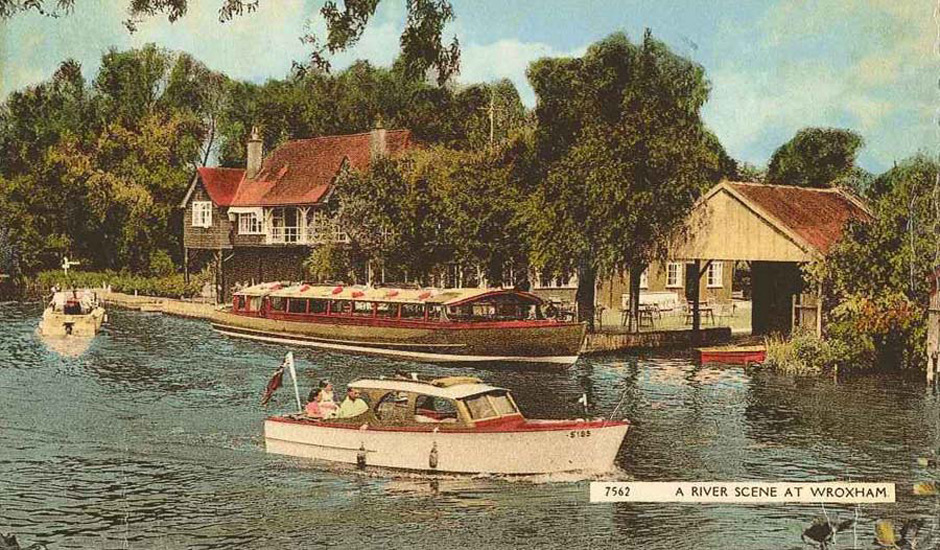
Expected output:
(352, 406)
(313, 404)
(325, 402)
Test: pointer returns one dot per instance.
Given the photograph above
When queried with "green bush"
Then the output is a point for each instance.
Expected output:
(805, 353)
(167, 286)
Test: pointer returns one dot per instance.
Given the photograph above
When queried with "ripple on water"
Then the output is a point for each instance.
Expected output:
(152, 438)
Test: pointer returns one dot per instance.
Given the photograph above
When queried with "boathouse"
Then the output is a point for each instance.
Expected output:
(260, 223)
(776, 229)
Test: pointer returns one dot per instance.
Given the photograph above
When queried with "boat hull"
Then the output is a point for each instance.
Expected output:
(553, 346)
(741, 355)
(576, 447)
(60, 324)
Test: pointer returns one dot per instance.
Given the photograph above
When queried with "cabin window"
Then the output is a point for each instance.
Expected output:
(387, 310)
(480, 407)
(254, 303)
(412, 311)
(503, 404)
(714, 274)
(318, 307)
(249, 224)
(202, 214)
(392, 406)
(296, 305)
(436, 312)
(362, 308)
(434, 409)
(341, 307)
(278, 303)
(240, 303)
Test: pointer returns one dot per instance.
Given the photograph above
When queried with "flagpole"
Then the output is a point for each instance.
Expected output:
(289, 359)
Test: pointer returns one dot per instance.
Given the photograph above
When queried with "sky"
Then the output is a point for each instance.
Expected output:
(774, 66)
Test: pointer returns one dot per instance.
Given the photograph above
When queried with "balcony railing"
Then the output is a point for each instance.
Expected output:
(308, 235)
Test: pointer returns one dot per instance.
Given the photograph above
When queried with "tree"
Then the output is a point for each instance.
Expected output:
(877, 279)
(816, 157)
(624, 155)
(422, 43)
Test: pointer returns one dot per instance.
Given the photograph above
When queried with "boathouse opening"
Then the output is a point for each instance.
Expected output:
(777, 230)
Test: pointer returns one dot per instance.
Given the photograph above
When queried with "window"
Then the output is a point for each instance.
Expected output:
(341, 307)
(202, 214)
(412, 311)
(392, 406)
(645, 278)
(240, 303)
(674, 275)
(278, 303)
(434, 409)
(503, 403)
(714, 274)
(318, 306)
(480, 407)
(249, 224)
(254, 303)
(385, 309)
(297, 305)
(362, 308)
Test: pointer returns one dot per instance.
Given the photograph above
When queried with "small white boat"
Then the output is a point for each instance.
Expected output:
(454, 425)
(72, 313)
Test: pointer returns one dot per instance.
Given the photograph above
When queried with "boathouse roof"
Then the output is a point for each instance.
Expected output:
(298, 172)
(761, 222)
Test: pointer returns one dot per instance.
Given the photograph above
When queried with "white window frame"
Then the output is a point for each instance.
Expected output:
(645, 278)
(674, 268)
(202, 214)
(250, 224)
(715, 275)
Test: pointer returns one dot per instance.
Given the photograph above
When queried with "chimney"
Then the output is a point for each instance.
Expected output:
(255, 154)
(377, 144)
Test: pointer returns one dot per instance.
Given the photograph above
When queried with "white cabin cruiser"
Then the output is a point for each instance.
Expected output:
(453, 425)
(72, 313)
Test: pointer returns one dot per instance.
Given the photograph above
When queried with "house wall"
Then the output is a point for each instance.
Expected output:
(247, 265)
(212, 238)
(611, 290)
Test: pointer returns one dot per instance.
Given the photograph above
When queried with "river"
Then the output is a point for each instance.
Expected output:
(152, 439)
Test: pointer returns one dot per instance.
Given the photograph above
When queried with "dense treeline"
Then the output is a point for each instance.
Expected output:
(95, 170)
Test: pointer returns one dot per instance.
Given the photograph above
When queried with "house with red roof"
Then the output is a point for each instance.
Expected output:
(260, 223)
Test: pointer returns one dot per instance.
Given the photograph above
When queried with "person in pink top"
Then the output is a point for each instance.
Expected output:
(320, 402)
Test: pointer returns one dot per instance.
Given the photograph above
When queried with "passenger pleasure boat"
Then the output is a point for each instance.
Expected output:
(466, 325)
(72, 313)
(455, 425)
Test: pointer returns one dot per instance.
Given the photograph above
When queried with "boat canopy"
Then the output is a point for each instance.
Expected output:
(448, 391)
(447, 297)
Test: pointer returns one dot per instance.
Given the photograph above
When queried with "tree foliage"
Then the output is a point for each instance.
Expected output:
(623, 154)
(877, 280)
(423, 47)
(816, 157)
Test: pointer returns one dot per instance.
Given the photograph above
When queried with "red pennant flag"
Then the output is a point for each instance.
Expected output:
(273, 384)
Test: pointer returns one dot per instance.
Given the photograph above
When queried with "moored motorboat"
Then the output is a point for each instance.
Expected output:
(72, 313)
(445, 326)
(454, 425)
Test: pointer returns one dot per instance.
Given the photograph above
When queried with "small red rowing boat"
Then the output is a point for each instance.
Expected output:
(733, 355)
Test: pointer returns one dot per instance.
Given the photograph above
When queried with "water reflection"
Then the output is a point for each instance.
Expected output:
(152, 438)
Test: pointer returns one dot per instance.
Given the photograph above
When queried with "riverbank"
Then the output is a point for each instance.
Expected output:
(182, 308)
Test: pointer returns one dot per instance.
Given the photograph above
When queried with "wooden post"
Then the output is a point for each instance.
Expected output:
(219, 279)
(696, 312)
(186, 265)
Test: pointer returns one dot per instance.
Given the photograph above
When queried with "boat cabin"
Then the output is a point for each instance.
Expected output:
(444, 403)
(300, 302)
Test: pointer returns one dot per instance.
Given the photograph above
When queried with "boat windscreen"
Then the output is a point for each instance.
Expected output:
(490, 405)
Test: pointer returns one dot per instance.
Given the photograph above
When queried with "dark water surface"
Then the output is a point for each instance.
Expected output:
(152, 439)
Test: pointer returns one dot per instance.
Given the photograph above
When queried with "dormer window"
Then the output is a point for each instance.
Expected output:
(202, 214)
